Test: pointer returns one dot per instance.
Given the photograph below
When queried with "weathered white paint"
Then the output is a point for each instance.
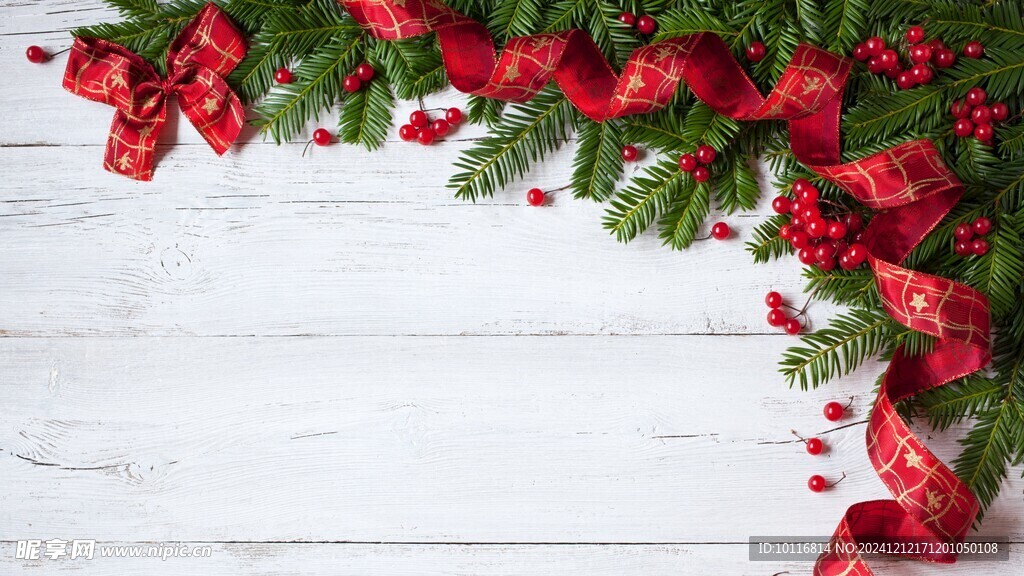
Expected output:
(328, 365)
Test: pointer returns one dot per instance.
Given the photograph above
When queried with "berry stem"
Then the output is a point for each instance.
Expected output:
(802, 439)
(306, 147)
(837, 481)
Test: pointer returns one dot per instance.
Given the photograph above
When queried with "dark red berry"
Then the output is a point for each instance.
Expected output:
(283, 76)
(776, 317)
(875, 65)
(814, 446)
(321, 137)
(418, 118)
(407, 132)
(36, 55)
(535, 197)
(960, 109)
(963, 232)
(701, 174)
(981, 226)
(979, 246)
(627, 19)
(834, 411)
(963, 127)
(905, 81)
(426, 136)
(963, 248)
(351, 83)
(922, 73)
(773, 299)
(799, 239)
(816, 228)
(981, 115)
(365, 72)
(999, 111)
(854, 222)
(860, 52)
(920, 53)
(792, 326)
(687, 162)
(858, 253)
(888, 58)
(976, 96)
(781, 204)
(453, 116)
(811, 212)
(943, 58)
(646, 24)
(983, 132)
(915, 34)
(835, 230)
(875, 45)
(816, 483)
(720, 231)
(894, 72)
(824, 252)
(974, 49)
(806, 256)
(629, 153)
(756, 52)
(440, 126)
(785, 231)
(706, 154)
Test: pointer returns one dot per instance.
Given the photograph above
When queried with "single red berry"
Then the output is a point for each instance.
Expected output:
(834, 411)
(875, 45)
(407, 132)
(860, 52)
(806, 256)
(915, 34)
(687, 162)
(453, 116)
(781, 204)
(905, 81)
(535, 197)
(963, 232)
(826, 265)
(756, 52)
(963, 248)
(811, 212)
(920, 53)
(799, 239)
(854, 222)
(981, 226)
(875, 65)
(365, 72)
(816, 483)
(936, 45)
(963, 127)
(792, 326)
(418, 118)
(720, 231)
(976, 96)
(983, 132)
(824, 252)
(36, 55)
(629, 153)
(801, 184)
(776, 317)
(701, 174)
(999, 111)
(440, 126)
(979, 246)
(858, 253)
(845, 262)
(796, 207)
(814, 446)
(981, 115)
(773, 299)
(646, 24)
(922, 73)
(322, 137)
(974, 49)
(351, 83)
(835, 230)
(785, 231)
(809, 195)
(426, 136)
(816, 228)
(943, 58)
(960, 109)
(894, 72)
(283, 76)
(627, 19)
(888, 59)
(706, 154)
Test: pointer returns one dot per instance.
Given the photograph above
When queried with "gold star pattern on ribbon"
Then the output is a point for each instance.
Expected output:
(913, 459)
(918, 302)
(635, 83)
(211, 105)
(511, 73)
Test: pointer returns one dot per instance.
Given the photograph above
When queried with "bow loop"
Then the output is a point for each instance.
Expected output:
(207, 49)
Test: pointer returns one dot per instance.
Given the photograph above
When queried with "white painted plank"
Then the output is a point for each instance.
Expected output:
(422, 439)
(280, 559)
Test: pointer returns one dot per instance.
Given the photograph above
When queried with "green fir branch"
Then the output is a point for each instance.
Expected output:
(597, 165)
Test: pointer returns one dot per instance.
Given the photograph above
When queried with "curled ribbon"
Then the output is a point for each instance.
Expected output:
(908, 184)
(206, 51)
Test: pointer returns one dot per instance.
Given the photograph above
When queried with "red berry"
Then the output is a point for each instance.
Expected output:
(960, 109)
(915, 34)
(999, 111)
(322, 137)
(351, 83)
(36, 55)
(943, 58)
(857, 253)
(920, 53)
(756, 52)
(426, 136)
(963, 232)
(976, 96)
(811, 212)
(875, 65)
(817, 228)
(407, 132)
(283, 76)
(936, 45)
(629, 153)
(824, 252)
(773, 299)
(453, 116)
(365, 72)
(905, 81)
(860, 52)
(796, 207)
(979, 246)
(720, 231)
(806, 256)
(776, 317)
(781, 204)
(982, 226)
(845, 262)
(706, 154)
(646, 24)
(894, 72)
(440, 126)
(874, 45)
(922, 73)
(826, 265)
(792, 326)
(888, 59)
(963, 248)
(535, 197)
(834, 411)
(974, 49)
(809, 195)
(799, 239)
(816, 483)
(801, 184)
(963, 127)
(687, 162)
(814, 446)
(701, 174)
(983, 132)
(981, 115)
(627, 19)
(785, 231)
(854, 222)
(835, 230)
(418, 118)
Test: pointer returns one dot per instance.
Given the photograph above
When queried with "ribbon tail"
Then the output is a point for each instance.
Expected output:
(211, 106)
(131, 144)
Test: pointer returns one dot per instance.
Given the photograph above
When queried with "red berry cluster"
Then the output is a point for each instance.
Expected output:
(704, 155)
(966, 243)
(353, 82)
(883, 60)
(424, 130)
(819, 241)
(777, 317)
(644, 24)
(974, 118)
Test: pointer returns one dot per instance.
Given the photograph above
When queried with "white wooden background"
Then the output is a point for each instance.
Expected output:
(328, 365)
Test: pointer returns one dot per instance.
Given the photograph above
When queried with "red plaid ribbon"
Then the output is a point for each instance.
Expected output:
(207, 49)
(909, 185)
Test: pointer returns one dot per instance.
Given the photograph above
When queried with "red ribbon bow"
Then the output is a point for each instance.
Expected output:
(207, 49)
